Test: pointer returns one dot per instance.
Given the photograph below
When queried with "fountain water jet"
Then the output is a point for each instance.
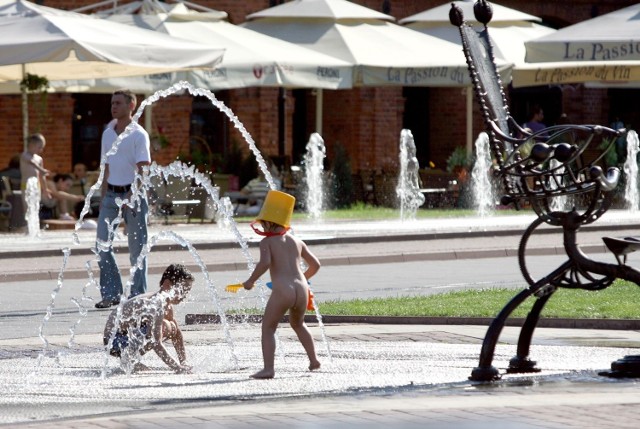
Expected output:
(314, 176)
(32, 200)
(66, 252)
(408, 188)
(139, 190)
(482, 189)
(630, 168)
(561, 202)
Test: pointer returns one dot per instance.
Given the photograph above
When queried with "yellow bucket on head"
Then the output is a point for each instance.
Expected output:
(277, 208)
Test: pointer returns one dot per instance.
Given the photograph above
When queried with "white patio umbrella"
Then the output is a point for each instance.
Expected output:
(604, 50)
(251, 58)
(62, 45)
(509, 29)
(383, 53)
(59, 45)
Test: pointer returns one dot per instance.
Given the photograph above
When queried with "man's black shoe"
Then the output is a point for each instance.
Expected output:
(106, 303)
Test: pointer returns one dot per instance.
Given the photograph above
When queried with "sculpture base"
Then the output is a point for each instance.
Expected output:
(489, 373)
(627, 367)
(520, 365)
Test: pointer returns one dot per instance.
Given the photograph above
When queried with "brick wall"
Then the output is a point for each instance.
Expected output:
(53, 121)
(54, 125)
(371, 121)
(10, 128)
(257, 109)
(171, 116)
(447, 107)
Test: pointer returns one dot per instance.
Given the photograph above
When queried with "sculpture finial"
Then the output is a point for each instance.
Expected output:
(483, 11)
(456, 17)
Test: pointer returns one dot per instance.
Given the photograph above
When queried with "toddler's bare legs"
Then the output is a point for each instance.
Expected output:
(272, 315)
(296, 320)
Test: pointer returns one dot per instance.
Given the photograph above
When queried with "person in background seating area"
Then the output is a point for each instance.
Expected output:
(535, 124)
(81, 186)
(59, 202)
(12, 171)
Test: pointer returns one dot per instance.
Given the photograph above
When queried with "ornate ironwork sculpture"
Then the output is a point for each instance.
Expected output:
(536, 168)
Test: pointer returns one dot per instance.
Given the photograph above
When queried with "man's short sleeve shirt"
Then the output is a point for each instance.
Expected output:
(132, 149)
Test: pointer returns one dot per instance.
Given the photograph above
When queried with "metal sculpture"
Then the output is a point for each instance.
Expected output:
(536, 168)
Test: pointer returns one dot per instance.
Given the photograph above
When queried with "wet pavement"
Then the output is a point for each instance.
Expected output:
(373, 375)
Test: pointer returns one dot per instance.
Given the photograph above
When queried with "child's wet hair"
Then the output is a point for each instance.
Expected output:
(268, 225)
(176, 273)
(36, 138)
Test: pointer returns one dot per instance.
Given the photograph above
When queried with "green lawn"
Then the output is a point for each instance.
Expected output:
(619, 301)
(360, 211)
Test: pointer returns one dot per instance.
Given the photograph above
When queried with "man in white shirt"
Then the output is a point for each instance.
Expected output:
(133, 153)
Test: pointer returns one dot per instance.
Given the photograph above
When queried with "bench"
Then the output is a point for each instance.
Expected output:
(177, 197)
(440, 188)
(165, 207)
(56, 224)
(621, 247)
(240, 200)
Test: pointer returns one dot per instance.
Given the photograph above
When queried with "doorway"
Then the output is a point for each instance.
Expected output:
(300, 125)
(624, 104)
(548, 98)
(92, 112)
(416, 119)
(209, 131)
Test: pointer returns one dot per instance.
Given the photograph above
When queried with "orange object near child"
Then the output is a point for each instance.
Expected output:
(310, 302)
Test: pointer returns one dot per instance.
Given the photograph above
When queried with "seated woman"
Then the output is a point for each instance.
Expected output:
(58, 204)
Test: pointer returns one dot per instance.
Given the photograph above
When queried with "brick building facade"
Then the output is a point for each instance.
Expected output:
(366, 121)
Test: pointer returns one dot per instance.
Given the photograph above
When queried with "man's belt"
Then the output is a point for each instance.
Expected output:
(119, 189)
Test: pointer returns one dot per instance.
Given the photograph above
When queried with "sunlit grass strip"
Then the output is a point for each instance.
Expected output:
(360, 211)
(619, 301)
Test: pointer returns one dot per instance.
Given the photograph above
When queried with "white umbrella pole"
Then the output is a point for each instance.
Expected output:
(319, 103)
(148, 117)
(25, 112)
(469, 92)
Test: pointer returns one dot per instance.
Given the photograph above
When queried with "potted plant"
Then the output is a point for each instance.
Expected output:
(458, 161)
(35, 85)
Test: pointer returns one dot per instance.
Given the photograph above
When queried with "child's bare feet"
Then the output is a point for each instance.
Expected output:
(314, 365)
(264, 374)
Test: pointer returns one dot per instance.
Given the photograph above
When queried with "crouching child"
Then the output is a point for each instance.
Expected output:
(146, 321)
